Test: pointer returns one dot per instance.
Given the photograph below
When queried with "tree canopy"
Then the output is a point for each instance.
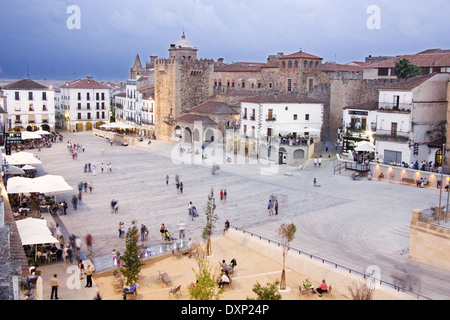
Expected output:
(405, 69)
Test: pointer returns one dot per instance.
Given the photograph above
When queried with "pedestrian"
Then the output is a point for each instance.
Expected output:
(114, 256)
(181, 229)
(221, 195)
(89, 242)
(116, 208)
(178, 186)
(181, 187)
(315, 161)
(270, 207)
(88, 276)
(226, 227)
(224, 195)
(326, 147)
(85, 167)
(142, 232)
(89, 167)
(121, 229)
(81, 268)
(315, 181)
(64, 206)
(102, 167)
(91, 186)
(110, 167)
(320, 161)
(80, 187)
(54, 285)
(85, 184)
(167, 180)
(275, 205)
(162, 231)
(93, 170)
(74, 202)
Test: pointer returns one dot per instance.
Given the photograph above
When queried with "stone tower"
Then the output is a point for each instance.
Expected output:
(181, 82)
(136, 69)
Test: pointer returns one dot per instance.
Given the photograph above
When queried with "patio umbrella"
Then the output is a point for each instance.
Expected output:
(365, 147)
(40, 132)
(14, 170)
(27, 135)
(22, 158)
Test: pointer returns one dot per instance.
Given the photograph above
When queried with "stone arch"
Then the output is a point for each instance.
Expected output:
(177, 132)
(187, 135)
(272, 153)
(263, 151)
(88, 126)
(209, 135)
(45, 127)
(196, 135)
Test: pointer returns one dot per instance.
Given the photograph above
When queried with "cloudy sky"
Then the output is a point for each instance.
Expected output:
(47, 39)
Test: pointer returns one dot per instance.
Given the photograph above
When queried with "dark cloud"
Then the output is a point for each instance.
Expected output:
(113, 32)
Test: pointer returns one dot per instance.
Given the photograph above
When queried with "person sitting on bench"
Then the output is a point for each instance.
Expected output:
(307, 285)
(130, 290)
(322, 288)
(223, 280)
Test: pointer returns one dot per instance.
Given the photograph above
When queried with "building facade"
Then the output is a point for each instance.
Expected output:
(30, 106)
(85, 103)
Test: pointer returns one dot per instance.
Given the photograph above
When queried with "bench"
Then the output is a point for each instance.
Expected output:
(165, 278)
(408, 181)
(175, 291)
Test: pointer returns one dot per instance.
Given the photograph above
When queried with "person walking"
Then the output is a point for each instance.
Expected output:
(181, 187)
(275, 205)
(88, 276)
(221, 195)
(224, 195)
(54, 286)
(167, 179)
(315, 181)
(142, 233)
(181, 228)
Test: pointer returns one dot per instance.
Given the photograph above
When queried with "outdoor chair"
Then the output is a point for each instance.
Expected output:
(175, 291)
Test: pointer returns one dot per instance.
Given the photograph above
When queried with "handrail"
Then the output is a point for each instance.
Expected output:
(336, 265)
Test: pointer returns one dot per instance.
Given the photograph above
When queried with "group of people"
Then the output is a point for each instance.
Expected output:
(322, 288)
(272, 206)
(318, 161)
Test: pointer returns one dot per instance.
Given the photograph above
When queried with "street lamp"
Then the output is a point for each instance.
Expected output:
(442, 180)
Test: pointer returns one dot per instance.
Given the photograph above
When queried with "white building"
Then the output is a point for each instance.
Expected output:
(30, 106)
(407, 124)
(280, 128)
(86, 104)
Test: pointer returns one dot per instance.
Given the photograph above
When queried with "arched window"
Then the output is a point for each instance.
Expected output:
(317, 64)
(295, 64)
(305, 64)
(311, 64)
(290, 64)
(283, 64)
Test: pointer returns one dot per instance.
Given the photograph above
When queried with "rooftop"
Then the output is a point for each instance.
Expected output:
(427, 58)
(25, 84)
(213, 107)
(87, 83)
(280, 98)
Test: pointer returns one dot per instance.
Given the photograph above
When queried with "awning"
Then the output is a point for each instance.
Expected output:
(22, 158)
(45, 184)
(365, 146)
(34, 231)
(288, 128)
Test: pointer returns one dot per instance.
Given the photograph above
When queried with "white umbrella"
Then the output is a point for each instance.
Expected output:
(40, 131)
(27, 135)
(14, 170)
(28, 167)
(365, 147)
(22, 158)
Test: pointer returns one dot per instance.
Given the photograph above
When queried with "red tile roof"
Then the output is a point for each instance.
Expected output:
(88, 83)
(300, 54)
(407, 84)
(243, 67)
(427, 58)
(213, 107)
(25, 84)
(191, 118)
(331, 67)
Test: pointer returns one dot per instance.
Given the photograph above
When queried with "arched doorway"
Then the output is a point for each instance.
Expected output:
(299, 154)
(88, 126)
(79, 126)
(31, 128)
(282, 156)
(45, 127)
(196, 135)
(438, 158)
(272, 153)
(187, 135)
(209, 135)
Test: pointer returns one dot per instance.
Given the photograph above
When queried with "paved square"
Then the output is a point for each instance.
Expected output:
(353, 223)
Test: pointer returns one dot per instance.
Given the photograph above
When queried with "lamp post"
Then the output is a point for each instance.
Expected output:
(442, 180)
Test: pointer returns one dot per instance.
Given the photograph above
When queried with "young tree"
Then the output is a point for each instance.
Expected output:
(286, 233)
(132, 263)
(360, 290)
(404, 69)
(205, 287)
(211, 219)
(270, 292)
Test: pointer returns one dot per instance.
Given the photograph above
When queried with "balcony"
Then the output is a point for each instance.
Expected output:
(271, 119)
(395, 107)
(388, 135)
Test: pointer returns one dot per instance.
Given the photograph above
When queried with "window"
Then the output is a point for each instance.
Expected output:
(30, 95)
(290, 64)
(317, 64)
(396, 102)
(79, 106)
(311, 64)
(311, 84)
(88, 105)
(98, 115)
(295, 117)
(394, 129)
(97, 96)
(243, 84)
(16, 95)
(103, 114)
(307, 116)
(88, 96)
(79, 116)
(44, 96)
(295, 64)
(245, 113)
(283, 64)
(44, 108)
(103, 96)
(30, 107)
(289, 85)
(305, 64)
(383, 71)
(79, 95)
(88, 115)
